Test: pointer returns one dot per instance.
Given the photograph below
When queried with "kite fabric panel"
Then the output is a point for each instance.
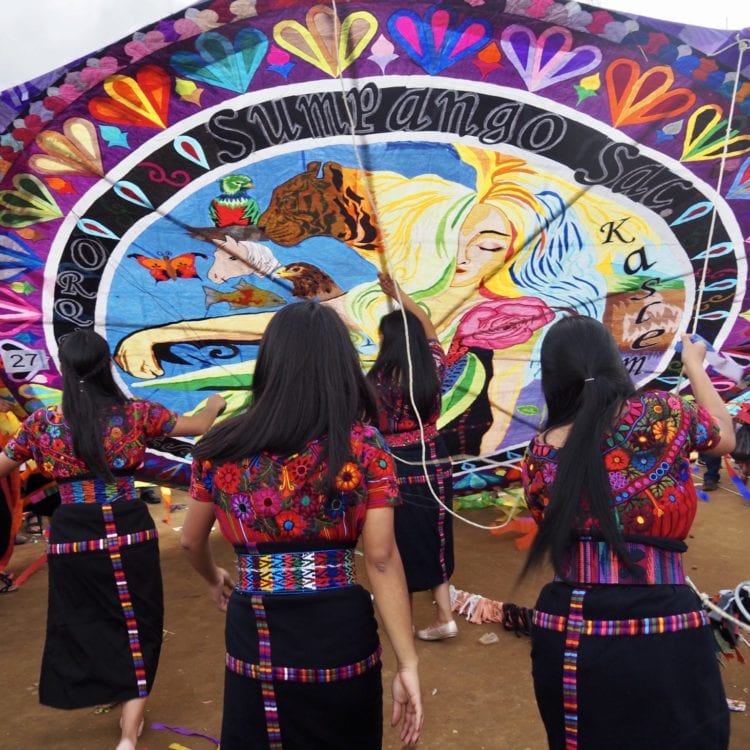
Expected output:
(510, 163)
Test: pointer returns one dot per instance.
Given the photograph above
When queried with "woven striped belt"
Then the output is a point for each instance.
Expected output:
(594, 562)
(642, 626)
(295, 572)
(107, 542)
(97, 490)
(402, 439)
(302, 674)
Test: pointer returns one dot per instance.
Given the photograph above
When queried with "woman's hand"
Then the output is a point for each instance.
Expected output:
(221, 589)
(407, 704)
(388, 285)
(693, 352)
(216, 403)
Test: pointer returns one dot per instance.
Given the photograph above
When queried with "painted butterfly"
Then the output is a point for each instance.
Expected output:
(166, 267)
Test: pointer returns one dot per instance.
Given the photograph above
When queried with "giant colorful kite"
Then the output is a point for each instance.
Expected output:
(510, 162)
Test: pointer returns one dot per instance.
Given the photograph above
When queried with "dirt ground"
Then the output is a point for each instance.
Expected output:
(477, 697)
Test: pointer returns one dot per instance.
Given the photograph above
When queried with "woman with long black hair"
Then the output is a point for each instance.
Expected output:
(407, 374)
(294, 481)
(622, 657)
(106, 610)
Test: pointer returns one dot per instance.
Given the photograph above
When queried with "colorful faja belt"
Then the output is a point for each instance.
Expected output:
(295, 572)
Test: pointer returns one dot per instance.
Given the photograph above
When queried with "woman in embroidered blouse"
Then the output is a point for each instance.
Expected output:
(621, 655)
(293, 482)
(424, 530)
(103, 640)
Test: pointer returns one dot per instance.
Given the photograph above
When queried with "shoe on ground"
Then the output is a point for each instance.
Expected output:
(709, 485)
(439, 632)
(150, 497)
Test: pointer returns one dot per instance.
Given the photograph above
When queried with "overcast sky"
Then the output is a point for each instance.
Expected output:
(40, 35)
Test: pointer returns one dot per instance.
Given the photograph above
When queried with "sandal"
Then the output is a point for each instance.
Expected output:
(33, 524)
(7, 584)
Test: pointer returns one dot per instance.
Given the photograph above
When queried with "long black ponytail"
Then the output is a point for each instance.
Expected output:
(393, 364)
(89, 388)
(585, 385)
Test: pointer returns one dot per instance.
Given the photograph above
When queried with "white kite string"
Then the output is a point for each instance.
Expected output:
(742, 44)
(352, 126)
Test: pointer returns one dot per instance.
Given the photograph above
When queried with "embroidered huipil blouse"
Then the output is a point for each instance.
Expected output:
(397, 416)
(46, 438)
(271, 498)
(647, 459)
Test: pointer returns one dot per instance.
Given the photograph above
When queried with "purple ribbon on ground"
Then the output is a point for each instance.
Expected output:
(184, 732)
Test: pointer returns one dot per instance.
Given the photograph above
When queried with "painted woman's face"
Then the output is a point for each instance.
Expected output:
(484, 245)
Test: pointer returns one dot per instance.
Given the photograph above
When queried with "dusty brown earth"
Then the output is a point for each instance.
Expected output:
(476, 696)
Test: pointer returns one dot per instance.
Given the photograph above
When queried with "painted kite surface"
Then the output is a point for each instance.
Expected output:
(510, 162)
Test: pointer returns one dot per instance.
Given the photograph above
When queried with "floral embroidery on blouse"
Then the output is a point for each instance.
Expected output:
(267, 498)
(397, 414)
(647, 459)
(46, 438)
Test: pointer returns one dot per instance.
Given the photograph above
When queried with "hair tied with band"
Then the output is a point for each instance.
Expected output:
(94, 371)
(588, 380)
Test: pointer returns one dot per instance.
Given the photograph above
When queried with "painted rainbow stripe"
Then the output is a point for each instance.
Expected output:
(305, 674)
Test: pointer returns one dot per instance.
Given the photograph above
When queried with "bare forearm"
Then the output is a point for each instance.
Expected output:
(200, 557)
(707, 396)
(392, 600)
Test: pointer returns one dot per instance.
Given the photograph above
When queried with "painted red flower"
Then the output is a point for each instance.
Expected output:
(502, 322)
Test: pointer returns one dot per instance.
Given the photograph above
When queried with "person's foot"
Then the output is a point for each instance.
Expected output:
(709, 485)
(150, 497)
(439, 631)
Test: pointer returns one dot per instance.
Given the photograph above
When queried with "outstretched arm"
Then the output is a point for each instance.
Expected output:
(135, 353)
(386, 575)
(394, 291)
(197, 424)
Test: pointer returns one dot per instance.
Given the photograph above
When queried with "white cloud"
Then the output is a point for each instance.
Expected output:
(41, 35)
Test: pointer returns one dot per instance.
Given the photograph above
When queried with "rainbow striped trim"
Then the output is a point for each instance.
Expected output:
(97, 490)
(642, 626)
(126, 602)
(594, 562)
(574, 626)
(265, 675)
(305, 674)
(96, 545)
(402, 439)
(295, 572)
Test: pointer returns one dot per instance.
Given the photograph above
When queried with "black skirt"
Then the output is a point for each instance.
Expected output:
(88, 655)
(424, 529)
(325, 630)
(657, 691)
